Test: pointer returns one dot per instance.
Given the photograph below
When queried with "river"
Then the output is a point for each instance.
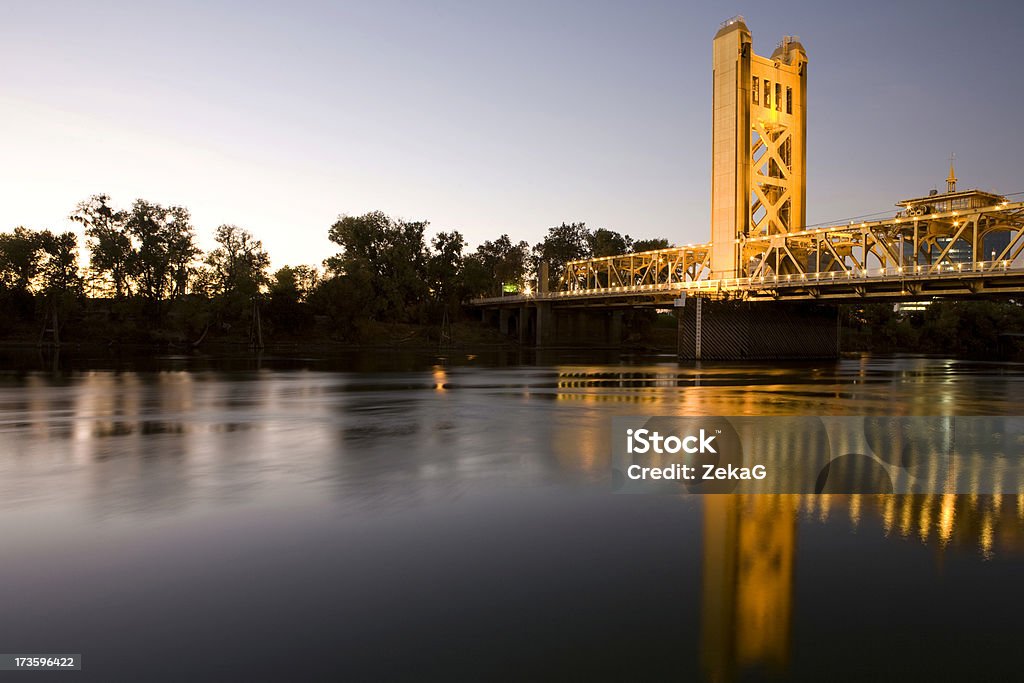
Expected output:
(381, 516)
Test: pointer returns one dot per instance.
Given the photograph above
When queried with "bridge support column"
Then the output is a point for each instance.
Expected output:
(615, 328)
(503, 317)
(545, 325)
(737, 330)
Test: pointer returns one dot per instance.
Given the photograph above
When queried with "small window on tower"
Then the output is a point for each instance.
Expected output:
(789, 100)
(767, 93)
(778, 97)
(754, 89)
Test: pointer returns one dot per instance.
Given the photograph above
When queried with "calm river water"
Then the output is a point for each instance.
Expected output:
(381, 517)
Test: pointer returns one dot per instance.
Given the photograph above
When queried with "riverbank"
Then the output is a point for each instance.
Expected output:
(966, 329)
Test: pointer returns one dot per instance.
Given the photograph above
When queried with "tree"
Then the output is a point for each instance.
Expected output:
(20, 252)
(239, 265)
(650, 244)
(290, 289)
(112, 254)
(59, 264)
(389, 254)
(496, 263)
(295, 282)
(444, 269)
(609, 243)
(563, 243)
(348, 300)
(165, 250)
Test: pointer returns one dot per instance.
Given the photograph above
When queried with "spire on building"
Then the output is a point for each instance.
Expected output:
(951, 180)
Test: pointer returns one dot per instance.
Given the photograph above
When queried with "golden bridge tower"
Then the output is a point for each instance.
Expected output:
(759, 132)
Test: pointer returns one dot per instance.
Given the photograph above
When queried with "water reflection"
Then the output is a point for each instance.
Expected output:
(747, 587)
(90, 450)
(749, 560)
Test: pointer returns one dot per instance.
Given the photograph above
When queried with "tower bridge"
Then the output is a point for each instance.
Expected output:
(766, 285)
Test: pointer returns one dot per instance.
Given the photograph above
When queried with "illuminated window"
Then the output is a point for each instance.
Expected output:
(789, 100)
(778, 97)
(754, 90)
(767, 94)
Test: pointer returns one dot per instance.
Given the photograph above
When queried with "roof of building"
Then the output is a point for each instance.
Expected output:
(734, 24)
(953, 195)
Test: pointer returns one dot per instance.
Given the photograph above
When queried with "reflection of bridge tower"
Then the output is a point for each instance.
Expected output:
(759, 125)
(749, 550)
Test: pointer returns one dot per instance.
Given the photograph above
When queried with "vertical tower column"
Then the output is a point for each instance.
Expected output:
(730, 157)
(759, 132)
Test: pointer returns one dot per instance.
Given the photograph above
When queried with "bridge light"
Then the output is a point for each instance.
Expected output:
(527, 289)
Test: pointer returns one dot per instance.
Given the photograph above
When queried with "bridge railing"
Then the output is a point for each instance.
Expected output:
(910, 272)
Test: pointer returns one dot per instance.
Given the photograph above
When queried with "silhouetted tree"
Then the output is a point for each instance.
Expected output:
(387, 253)
(650, 244)
(444, 269)
(563, 243)
(297, 282)
(238, 267)
(495, 263)
(59, 264)
(348, 300)
(290, 289)
(165, 250)
(111, 253)
(20, 252)
(609, 243)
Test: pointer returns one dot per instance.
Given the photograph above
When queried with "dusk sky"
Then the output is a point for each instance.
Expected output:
(484, 117)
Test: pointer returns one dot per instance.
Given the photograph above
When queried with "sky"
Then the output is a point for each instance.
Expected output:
(478, 116)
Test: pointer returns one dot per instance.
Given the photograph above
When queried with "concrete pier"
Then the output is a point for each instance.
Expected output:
(737, 330)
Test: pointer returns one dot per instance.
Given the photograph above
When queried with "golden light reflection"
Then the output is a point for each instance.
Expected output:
(985, 539)
(440, 377)
(889, 514)
(947, 518)
(747, 587)
(749, 561)
(924, 520)
(750, 540)
(855, 510)
(905, 517)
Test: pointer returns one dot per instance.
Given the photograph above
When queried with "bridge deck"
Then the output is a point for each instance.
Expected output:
(984, 277)
(872, 260)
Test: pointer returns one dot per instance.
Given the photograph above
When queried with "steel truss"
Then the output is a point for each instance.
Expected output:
(661, 268)
(912, 247)
(931, 243)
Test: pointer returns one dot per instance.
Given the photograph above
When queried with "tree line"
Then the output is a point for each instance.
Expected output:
(146, 273)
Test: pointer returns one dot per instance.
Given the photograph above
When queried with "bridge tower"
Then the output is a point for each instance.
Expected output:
(759, 133)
